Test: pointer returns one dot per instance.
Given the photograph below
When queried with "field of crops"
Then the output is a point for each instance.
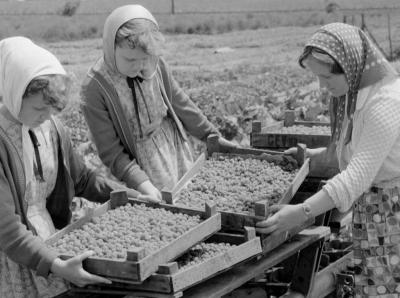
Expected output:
(257, 79)
(184, 6)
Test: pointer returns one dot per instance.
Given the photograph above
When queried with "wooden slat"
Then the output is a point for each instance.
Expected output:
(169, 194)
(270, 242)
(195, 274)
(297, 181)
(149, 264)
(138, 294)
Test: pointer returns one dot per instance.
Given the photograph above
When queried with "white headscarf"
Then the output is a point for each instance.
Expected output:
(21, 61)
(114, 21)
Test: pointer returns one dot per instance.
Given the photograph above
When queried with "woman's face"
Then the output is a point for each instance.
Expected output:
(34, 110)
(336, 84)
(134, 62)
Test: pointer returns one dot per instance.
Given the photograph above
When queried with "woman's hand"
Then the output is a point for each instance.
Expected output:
(285, 218)
(150, 191)
(311, 153)
(73, 271)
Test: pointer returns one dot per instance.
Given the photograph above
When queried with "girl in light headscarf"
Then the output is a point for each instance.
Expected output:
(135, 110)
(365, 109)
(39, 174)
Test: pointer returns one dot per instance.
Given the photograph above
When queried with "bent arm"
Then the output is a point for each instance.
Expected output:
(381, 129)
(16, 241)
(193, 119)
(106, 139)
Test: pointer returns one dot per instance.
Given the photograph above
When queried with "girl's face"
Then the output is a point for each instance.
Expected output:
(336, 84)
(134, 62)
(34, 110)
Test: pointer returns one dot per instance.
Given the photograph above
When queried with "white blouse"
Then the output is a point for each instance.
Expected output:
(372, 158)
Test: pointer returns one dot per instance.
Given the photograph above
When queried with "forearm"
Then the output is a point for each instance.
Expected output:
(320, 203)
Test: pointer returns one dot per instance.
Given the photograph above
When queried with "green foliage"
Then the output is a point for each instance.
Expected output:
(70, 8)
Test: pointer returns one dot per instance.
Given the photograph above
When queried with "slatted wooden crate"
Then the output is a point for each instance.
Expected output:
(170, 279)
(269, 137)
(237, 221)
(137, 266)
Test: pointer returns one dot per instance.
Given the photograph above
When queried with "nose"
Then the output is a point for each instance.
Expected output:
(45, 115)
(323, 84)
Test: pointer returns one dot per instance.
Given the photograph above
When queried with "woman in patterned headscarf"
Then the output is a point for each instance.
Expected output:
(365, 109)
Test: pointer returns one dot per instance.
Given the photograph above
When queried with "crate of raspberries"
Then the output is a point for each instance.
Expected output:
(242, 183)
(131, 239)
(217, 254)
(289, 133)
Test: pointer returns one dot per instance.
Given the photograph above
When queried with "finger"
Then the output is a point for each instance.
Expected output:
(95, 279)
(83, 256)
(267, 230)
(267, 223)
(275, 208)
(149, 198)
(290, 151)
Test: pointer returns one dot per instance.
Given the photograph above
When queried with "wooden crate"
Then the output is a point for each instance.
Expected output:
(232, 220)
(264, 137)
(137, 267)
(171, 280)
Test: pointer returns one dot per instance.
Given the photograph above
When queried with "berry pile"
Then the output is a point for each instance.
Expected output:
(201, 253)
(112, 234)
(234, 184)
(303, 130)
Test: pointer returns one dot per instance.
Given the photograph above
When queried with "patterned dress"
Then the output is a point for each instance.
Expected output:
(160, 150)
(17, 281)
(376, 243)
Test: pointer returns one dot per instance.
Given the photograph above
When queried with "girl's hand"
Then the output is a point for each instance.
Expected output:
(285, 218)
(147, 188)
(149, 198)
(73, 271)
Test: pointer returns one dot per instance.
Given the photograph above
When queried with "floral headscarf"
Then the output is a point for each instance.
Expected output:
(363, 65)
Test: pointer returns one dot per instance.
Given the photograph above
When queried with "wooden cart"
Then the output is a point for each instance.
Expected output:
(137, 267)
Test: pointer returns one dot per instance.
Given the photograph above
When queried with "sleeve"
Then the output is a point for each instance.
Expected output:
(193, 119)
(381, 129)
(16, 241)
(106, 139)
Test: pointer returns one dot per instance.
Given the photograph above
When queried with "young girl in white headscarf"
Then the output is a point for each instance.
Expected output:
(136, 111)
(39, 174)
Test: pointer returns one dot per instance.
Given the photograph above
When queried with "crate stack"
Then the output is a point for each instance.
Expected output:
(222, 240)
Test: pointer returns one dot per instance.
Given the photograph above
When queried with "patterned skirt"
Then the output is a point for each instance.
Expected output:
(376, 243)
(17, 281)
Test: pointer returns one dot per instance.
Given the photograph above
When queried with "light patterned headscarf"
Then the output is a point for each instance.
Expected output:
(363, 65)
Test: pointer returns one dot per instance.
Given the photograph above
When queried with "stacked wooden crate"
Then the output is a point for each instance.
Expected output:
(289, 132)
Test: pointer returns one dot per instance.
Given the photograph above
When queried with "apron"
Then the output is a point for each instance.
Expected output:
(376, 243)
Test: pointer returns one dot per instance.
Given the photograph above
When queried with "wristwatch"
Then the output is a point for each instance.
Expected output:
(307, 210)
